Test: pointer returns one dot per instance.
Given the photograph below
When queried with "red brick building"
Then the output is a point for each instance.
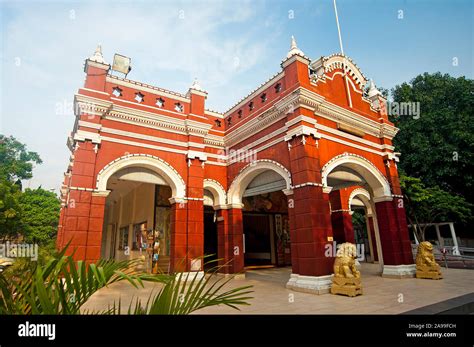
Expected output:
(272, 181)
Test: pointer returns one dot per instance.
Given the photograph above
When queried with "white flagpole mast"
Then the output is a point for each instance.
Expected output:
(342, 51)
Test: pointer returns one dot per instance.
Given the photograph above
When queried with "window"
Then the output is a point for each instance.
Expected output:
(240, 113)
(123, 238)
(263, 97)
(278, 88)
(117, 92)
(178, 107)
(139, 97)
(218, 123)
(251, 105)
(229, 121)
(160, 102)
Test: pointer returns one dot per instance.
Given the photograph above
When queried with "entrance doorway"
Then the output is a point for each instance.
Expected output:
(210, 238)
(258, 248)
(266, 230)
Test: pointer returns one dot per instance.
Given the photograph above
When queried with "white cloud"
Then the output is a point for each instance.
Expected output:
(170, 43)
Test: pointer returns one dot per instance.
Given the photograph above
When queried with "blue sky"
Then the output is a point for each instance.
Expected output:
(230, 46)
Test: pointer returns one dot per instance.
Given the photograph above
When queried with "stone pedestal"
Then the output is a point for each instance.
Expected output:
(399, 271)
(346, 286)
(429, 272)
(310, 284)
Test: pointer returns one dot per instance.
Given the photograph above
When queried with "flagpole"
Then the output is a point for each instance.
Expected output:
(349, 99)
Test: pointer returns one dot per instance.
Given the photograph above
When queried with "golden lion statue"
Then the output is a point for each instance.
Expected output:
(426, 266)
(346, 278)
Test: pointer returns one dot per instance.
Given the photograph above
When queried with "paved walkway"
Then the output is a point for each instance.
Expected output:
(381, 295)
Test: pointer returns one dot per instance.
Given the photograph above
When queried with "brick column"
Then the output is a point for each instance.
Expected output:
(96, 224)
(195, 227)
(195, 215)
(83, 212)
(292, 231)
(187, 223)
(178, 239)
(230, 240)
(396, 246)
(312, 230)
(83, 223)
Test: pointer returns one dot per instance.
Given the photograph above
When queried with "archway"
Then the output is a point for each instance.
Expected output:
(259, 191)
(137, 217)
(355, 169)
(215, 199)
(342, 175)
(360, 206)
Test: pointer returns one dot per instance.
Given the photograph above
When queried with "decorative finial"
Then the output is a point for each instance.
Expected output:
(196, 85)
(294, 50)
(98, 57)
(372, 91)
(293, 42)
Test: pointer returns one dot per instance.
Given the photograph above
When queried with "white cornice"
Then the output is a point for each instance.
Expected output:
(213, 114)
(298, 98)
(82, 135)
(139, 116)
(297, 57)
(197, 155)
(89, 125)
(302, 130)
(197, 128)
(90, 105)
(103, 66)
(339, 114)
(214, 140)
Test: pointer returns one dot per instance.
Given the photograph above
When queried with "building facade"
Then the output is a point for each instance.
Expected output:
(272, 181)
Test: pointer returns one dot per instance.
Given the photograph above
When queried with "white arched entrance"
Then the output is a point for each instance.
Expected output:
(250, 172)
(259, 190)
(358, 166)
(153, 163)
(137, 216)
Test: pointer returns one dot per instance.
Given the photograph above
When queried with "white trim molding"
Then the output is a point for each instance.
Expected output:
(249, 172)
(218, 192)
(372, 175)
(161, 167)
(364, 196)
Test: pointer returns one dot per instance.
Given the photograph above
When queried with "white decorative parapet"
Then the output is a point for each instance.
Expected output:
(310, 284)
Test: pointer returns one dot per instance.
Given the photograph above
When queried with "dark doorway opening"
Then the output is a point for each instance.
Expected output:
(210, 238)
(258, 240)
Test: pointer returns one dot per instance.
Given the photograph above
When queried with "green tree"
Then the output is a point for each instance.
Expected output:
(438, 147)
(431, 205)
(10, 210)
(40, 215)
(16, 161)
